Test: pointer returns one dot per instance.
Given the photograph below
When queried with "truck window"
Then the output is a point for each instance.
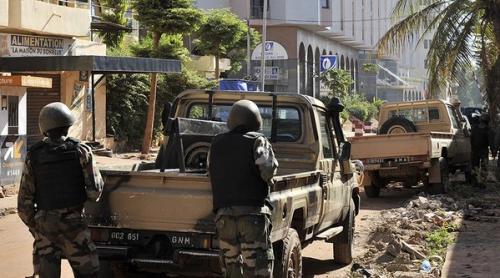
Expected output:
(433, 114)
(326, 138)
(453, 117)
(289, 128)
(413, 114)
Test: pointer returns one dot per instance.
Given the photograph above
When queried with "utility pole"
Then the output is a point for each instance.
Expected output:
(249, 59)
(263, 58)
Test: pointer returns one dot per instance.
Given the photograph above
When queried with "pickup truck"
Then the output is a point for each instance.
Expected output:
(417, 141)
(159, 219)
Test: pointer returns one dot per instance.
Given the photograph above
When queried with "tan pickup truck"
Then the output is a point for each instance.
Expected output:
(158, 218)
(417, 141)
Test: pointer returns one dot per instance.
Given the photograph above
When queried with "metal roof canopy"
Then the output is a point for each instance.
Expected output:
(94, 64)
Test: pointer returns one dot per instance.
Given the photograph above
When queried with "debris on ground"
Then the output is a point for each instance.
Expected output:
(402, 244)
(7, 211)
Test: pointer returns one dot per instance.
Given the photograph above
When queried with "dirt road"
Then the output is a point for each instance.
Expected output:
(16, 242)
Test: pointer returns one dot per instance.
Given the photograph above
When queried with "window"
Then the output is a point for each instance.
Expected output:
(433, 114)
(256, 8)
(414, 115)
(13, 114)
(325, 4)
(453, 117)
(288, 119)
(326, 136)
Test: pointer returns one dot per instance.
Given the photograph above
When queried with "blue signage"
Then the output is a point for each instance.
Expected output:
(327, 62)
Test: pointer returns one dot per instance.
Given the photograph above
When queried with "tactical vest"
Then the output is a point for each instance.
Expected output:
(59, 181)
(235, 178)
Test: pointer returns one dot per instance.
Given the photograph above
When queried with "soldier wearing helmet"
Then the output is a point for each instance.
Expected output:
(59, 176)
(241, 166)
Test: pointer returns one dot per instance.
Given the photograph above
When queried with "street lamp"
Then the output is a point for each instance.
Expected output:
(263, 58)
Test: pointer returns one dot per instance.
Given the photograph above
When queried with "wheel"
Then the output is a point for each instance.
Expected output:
(443, 186)
(397, 125)
(288, 256)
(372, 191)
(196, 156)
(343, 244)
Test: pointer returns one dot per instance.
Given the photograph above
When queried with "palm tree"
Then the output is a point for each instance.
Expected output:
(464, 32)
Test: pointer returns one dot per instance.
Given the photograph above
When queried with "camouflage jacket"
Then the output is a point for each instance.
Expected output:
(26, 198)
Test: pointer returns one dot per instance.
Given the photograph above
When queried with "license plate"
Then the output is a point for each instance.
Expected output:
(124, 236)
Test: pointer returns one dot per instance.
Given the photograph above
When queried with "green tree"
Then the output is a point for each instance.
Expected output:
(113, 11)
(221, 32)
(338, 81)
(169, 47)
(463, 31)
(239, 53)
(163, 17)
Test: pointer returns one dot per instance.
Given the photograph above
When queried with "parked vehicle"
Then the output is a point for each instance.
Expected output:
(160, 219)
(417, 141)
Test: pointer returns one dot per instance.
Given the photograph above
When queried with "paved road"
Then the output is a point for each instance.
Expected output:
(16, 242)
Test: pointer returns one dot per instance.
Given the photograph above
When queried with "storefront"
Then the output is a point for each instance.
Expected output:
(69, 87)
(14, 123)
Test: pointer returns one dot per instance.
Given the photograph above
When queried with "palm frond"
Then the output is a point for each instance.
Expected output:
(403, 32)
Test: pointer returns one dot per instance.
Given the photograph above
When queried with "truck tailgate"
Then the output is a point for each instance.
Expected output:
(390, 146)
(169, 201)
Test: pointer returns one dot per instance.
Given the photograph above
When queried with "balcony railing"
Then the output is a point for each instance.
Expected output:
(81, 4)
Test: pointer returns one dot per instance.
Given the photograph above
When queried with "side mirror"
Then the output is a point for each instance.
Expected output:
(335, 106)
(344, 159)
(165, 117)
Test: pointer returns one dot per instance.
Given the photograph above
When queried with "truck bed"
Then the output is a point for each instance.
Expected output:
(169, 201)
(398, 145)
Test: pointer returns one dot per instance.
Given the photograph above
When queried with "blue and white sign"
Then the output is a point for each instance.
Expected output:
(272, 73)
(327, 62)
(272, 51)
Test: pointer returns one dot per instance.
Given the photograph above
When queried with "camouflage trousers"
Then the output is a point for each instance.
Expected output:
(63, 234)
(245, 244)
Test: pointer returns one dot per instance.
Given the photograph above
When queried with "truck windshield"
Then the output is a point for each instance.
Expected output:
(289, 126)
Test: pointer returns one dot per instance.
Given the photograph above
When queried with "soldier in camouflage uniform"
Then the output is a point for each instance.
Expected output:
(241, 166)
(59, 176)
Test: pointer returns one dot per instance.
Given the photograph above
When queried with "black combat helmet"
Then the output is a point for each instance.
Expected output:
(55, 115)
(244, 113)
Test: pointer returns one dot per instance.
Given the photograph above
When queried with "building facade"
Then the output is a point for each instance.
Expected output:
(46, 28)
(349, 29)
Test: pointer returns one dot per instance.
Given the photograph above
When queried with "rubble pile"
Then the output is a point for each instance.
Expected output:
(7, 211)
(398, 247)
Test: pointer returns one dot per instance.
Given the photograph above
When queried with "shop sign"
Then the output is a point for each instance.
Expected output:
(18, 45)
(12, 155)
(26, 81)
(272, 51)
(272, 73)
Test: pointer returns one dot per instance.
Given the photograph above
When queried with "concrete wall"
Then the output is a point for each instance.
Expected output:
(48, 18)
(4, 12)
(75, 93)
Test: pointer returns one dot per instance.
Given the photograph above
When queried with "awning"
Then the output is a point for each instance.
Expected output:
(95, 64)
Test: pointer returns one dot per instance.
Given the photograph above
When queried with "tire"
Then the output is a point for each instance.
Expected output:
(397, 125)
(443, 186)
(343, 245)
(288, 256)
(372, 191)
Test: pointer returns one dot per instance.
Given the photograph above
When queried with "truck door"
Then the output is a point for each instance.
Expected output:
(331, 184)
